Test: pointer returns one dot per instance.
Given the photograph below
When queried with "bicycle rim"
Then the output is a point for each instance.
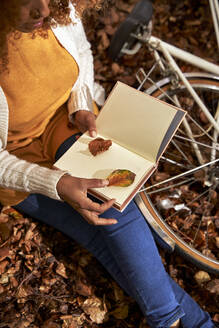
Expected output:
(184, 211)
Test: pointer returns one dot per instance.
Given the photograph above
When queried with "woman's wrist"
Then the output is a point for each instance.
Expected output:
(61, 186)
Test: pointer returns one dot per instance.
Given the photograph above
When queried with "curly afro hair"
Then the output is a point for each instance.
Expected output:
(59, 14)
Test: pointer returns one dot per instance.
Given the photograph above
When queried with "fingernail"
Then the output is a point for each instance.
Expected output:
(93, 134)
(105, 182)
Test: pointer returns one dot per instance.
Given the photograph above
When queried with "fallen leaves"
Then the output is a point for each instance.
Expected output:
(83, 288)
(61, 270)
(48, 281)
(121, 312)
(96, 309)
(201, 277)
(213, 286)
(50, 292)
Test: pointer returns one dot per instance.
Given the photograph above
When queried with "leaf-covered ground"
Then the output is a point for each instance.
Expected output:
(48, 281)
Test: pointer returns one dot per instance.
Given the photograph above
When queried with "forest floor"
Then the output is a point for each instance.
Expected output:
(46, 279)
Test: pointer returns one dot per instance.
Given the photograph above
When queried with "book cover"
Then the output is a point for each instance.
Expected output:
(140, 128)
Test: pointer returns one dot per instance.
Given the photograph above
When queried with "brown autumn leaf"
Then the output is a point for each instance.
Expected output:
(5, 231)
(213, 286)
(29, 235)
(61, 270)
(4, 278)
(3, 218)
(110, 30)
(202, 276)
(96, 309)
(121, 178)
(50, 323)
(4, 252)
(115, 68)
(118, 293)
(104, 40)
(99, 145)
(24, 291)
(12, 213)
(24, 323)
(160, 176)
(3, 266)
(70, 321)
(13, 281)
(15, 268)
(121, 312)
(83, 288)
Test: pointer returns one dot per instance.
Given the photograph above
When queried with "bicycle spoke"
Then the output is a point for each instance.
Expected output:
(199, 143)
(215, 137)
(177, 158)
(188, 204)
(181, 152)
(180, 175)
(168, 219)
(169, 160)
(190, 134)
(163, 92)
(171, 186)
(200, 222)
(199, 127)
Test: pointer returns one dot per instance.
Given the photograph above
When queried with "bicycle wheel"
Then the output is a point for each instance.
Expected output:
(181, 200)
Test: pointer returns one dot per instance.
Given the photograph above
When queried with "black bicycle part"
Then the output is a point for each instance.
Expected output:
(140, 15)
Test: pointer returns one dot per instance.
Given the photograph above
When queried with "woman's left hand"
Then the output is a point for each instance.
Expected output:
(86, 121)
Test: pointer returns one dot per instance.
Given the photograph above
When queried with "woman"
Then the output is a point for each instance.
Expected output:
(46, 80)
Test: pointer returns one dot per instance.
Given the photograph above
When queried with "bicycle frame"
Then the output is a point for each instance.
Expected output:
(169, 52)
(214, 6)
(203, 64)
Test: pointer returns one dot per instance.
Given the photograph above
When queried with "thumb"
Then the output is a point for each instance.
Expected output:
(92, 129)
(92, 133)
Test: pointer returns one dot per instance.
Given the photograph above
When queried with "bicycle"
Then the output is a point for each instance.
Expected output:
(182, 208)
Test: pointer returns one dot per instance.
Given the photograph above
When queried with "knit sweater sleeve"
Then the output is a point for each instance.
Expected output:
(21, 175)
(82, 94)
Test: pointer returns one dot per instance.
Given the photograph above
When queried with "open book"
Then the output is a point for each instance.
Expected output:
(140, 127)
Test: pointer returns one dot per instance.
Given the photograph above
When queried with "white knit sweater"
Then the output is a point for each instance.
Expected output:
(24, 176)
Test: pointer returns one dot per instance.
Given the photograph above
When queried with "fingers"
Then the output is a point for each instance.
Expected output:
(106, 205)
(101, 221)
(91, 212)
(93, 219)
(100, 208)
(89, 205)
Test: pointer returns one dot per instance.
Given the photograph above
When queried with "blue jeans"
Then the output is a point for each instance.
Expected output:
(129, 253)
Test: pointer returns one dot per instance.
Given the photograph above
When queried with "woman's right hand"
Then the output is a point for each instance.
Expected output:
(73, 190)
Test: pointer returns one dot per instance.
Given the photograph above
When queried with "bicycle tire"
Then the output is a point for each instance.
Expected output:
(156, 221)
(141, 14)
